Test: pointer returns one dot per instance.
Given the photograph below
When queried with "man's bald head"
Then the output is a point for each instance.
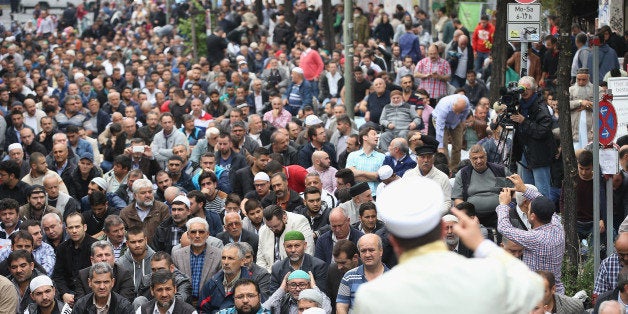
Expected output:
(621, 246)
(318, 155)
(463, 41)
(460, 105)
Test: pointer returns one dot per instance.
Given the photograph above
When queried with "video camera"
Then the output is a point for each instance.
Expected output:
(510, 96)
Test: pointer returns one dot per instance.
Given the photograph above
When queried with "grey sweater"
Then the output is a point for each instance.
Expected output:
(401, 116)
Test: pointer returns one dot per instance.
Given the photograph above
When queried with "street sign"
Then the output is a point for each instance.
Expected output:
(525, 1)
(607, 121)
(531, 30)
(524, 13)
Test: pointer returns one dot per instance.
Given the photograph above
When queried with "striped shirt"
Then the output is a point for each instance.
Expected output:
(350, 283)
(543, 246)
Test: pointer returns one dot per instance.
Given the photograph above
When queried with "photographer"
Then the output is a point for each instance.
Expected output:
(534, 145)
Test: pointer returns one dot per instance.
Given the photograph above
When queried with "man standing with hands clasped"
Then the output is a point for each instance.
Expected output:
(544, 244)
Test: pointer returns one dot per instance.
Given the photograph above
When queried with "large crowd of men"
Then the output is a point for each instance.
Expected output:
(136, 179)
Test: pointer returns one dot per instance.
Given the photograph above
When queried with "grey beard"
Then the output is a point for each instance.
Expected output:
(452, 241)
(165, 305)
(147, 203)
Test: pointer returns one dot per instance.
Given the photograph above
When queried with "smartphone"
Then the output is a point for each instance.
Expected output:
(138, 149)
(501, 182)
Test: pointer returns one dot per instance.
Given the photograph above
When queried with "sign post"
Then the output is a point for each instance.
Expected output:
(524, 25)
(607, 132)
(608, 121)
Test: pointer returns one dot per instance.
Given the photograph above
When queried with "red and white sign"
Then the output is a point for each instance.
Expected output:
(525, 1)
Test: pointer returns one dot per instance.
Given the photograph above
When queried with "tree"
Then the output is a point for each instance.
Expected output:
(259, 11)
(198, 38)
(564, 123)
(289, 12)
(498, 52)
(328, 28)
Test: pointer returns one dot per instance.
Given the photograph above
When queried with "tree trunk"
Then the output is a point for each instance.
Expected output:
(328, 27)
(498, 52)
(259, 11)
(289, 12)
(568, 155)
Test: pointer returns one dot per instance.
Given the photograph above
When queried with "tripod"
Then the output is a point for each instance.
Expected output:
(503, 153)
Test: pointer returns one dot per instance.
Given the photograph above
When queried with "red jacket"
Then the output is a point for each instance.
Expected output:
(482, 40)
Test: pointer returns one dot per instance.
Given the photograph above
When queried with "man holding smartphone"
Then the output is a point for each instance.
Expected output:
(475, 184)
(544, 244)
(142, 157)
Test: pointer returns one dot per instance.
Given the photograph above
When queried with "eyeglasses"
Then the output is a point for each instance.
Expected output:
(301, 285)
(247, 296)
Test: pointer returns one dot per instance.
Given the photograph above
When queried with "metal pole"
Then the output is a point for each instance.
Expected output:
(596, 159)
(609, 217)
(348, 51)
(524, 57)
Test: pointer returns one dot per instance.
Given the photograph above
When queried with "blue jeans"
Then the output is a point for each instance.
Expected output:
(540, 177)
(314, 85)
(479, 61)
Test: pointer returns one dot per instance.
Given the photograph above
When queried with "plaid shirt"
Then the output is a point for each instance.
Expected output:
(196, 267)
(44, 255)
(279, 122)
(436, 88)
(607, 275)
(543, 247)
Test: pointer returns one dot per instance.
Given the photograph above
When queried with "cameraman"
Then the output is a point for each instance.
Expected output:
(534, 145)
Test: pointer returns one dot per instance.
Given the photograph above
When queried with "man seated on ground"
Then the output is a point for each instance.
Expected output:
(247, 298)
(43, 293)
(370, 248)
(478, 186)
(217, 293)
(368, 219)
(606, 279)
(452, 240)
(285, 299)
(42, 252)
(271, 235)
(102, 251)
(340, 229)
(163, 288)
(398, 117)
(22, 271)
(235, 233)
(101, 281)
(295, 245)
(560, 303)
